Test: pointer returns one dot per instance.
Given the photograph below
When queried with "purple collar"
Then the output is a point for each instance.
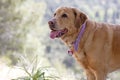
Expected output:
(76, 43)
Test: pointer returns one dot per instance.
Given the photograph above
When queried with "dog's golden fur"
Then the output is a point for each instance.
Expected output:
(99, 48)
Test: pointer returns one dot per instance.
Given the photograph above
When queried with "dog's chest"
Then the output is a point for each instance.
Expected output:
(81, 58)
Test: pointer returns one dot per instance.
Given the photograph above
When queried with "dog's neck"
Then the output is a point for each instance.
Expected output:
(72, 40)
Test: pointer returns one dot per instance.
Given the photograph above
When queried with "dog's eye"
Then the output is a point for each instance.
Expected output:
(64, 15)
(55, 14)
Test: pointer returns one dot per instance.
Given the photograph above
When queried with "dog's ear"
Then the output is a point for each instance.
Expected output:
(80, 17)
(83, 17)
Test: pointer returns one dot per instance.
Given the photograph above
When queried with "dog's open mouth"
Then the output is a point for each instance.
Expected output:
(58, 33)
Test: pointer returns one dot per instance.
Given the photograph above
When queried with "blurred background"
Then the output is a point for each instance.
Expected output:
(25, 46)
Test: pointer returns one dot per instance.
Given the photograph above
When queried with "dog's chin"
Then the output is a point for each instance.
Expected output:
(58, 33)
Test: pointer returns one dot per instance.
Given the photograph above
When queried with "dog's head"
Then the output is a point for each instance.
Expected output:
(66, 21)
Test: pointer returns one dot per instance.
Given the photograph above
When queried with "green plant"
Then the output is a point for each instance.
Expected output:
(39, 75)
(34, 71)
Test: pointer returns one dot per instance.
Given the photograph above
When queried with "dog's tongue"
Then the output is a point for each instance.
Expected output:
(57, 33)
(54, 34)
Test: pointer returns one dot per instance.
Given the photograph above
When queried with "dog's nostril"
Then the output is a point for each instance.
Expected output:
(50, 23)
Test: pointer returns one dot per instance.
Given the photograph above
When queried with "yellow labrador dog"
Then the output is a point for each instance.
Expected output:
(96, 46)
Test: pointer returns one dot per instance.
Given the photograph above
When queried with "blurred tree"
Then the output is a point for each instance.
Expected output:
(10, 31)
(114, 17)
(17, 20)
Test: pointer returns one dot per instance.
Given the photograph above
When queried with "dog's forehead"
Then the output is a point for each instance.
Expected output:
(63, 10)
